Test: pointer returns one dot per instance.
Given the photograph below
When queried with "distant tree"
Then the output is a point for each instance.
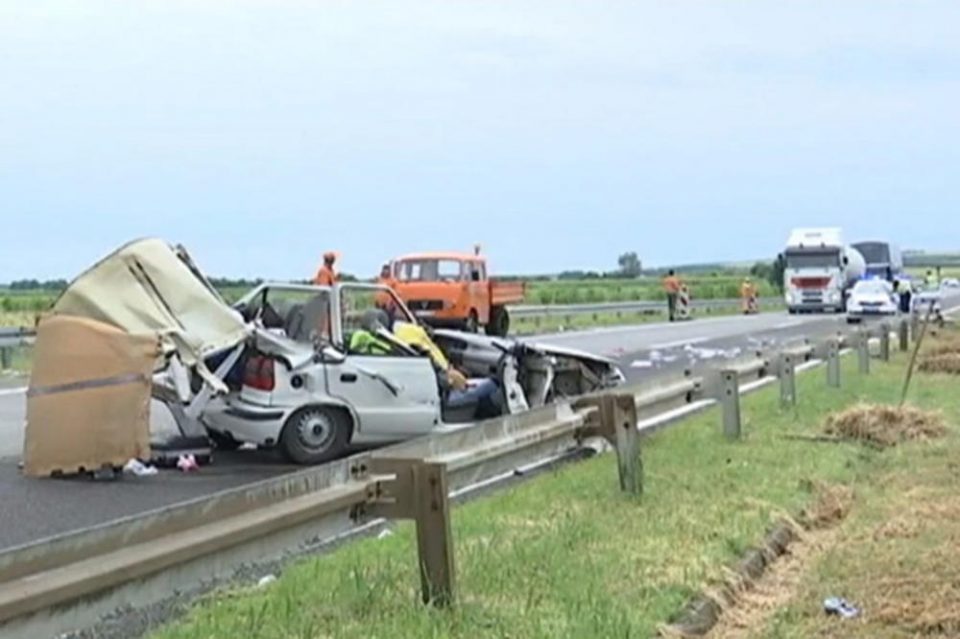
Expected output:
(630, 265)
(769, 271)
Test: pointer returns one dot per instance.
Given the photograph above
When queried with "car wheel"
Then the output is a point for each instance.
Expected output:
(223, 441)
(315, 434)
(472, 325)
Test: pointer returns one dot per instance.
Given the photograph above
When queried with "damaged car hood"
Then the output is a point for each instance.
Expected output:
(505, 344)
(148, 286)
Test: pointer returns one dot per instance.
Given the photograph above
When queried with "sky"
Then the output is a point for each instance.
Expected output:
(556, 134)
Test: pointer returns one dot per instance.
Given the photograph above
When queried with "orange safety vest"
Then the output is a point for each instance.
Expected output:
(325, 276)
(672, 284)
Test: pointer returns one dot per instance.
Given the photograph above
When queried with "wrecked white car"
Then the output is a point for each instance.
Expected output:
(312, 370)
(310, 383)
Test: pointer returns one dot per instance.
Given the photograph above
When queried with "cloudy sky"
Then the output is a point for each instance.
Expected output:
(557, 134)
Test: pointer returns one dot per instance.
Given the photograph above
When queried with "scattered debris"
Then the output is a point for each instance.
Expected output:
(885, 426)
(267, 581)
(841, 608)
(385, 533)
(139, 469)
(188, 463)
(641, 363)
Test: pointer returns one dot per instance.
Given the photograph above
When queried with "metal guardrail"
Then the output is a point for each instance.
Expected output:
(645, 306)
(10, 339)
(71, 581)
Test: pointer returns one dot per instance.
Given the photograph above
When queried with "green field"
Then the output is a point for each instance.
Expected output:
(21, 307)
(568, 555)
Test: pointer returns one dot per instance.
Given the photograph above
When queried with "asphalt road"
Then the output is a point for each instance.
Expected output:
(32, 509)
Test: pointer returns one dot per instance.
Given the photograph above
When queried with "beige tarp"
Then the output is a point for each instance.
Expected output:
(144, 287)
(89, 396)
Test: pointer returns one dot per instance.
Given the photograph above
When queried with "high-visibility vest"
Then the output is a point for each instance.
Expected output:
(366, 343)
(325, 276)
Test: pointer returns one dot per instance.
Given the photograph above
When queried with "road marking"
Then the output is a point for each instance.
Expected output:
(679, 342)
(12, 391)
(789, 324)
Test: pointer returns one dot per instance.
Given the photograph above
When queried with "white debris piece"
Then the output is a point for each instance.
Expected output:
(385, 533)
(139, 469)
(266, 581)
(641, 363)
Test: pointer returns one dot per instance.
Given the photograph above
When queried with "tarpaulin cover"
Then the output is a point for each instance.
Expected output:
(89, 397)
(145, 287)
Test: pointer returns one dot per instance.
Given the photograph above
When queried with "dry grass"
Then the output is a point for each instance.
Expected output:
(885, 426)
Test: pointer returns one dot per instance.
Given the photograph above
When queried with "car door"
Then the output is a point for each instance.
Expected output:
(394, 397)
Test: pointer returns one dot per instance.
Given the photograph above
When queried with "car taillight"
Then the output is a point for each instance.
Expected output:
(259, 373)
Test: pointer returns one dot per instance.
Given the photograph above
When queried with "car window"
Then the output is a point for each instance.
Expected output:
(303, 315)
(357, 301)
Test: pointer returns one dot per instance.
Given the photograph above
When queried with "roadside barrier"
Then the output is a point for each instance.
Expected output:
(70, 582)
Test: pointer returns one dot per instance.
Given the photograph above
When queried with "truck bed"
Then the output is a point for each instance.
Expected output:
(504, 293)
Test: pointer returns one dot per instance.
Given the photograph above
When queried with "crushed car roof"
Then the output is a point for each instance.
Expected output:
(148, 286)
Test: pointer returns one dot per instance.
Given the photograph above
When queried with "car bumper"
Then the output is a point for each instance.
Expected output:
(247, 422)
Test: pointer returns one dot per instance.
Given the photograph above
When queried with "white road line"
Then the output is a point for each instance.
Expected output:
(12, 391)
(790, 324)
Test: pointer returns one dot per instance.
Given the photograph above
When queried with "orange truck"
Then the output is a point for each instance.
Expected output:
(454, 290)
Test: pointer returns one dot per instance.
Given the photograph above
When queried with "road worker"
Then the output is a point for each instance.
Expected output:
(932, 282)
(748, 296)
(326, 276)
(384, 300)
(672, 285)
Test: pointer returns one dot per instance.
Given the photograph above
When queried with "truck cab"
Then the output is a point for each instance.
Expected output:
(454, 290)
(819, 270)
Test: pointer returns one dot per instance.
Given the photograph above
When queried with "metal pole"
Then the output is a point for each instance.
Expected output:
(434, 536)
(623, 412)
(788, 382)
(885, 342)
(4, 358)
(833, 364)
(730, 398)
(863, 352)
(904, 335)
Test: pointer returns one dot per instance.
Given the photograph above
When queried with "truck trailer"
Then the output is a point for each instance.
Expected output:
(819, 270)
(884, 259)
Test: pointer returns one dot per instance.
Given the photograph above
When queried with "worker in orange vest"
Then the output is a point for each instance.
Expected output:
(383, 299)
(672, 285)
(748, 296)
(326, 276)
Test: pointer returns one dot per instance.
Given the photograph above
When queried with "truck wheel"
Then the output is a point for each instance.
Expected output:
(499, 324)
(472, 325)
(315, 434)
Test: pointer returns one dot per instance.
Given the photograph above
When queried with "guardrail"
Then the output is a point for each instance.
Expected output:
(71, 581)
(10, 339)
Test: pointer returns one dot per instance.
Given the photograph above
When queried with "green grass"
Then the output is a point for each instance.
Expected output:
(568, 555)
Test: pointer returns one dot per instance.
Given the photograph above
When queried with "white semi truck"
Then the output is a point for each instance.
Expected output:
(819, 270)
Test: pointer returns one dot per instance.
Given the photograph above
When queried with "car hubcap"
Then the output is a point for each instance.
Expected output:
(315, 430)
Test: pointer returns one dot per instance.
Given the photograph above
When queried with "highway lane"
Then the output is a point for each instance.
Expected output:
(33, 509)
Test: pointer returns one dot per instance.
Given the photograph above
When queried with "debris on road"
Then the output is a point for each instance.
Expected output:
(885, 426)
(641, 363)
(267, 581)
(139, 469)
(188, 463)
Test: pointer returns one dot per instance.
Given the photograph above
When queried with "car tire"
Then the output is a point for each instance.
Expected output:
(316, 434)
(499, 324)
(472, 325)
(223, 441)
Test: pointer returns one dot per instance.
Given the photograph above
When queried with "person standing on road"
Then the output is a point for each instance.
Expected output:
(748, 295)
(326, 276)
(932, 281)
(671, 284)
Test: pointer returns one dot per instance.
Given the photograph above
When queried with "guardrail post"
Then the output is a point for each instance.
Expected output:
(885, 342)
(420, 491)
(730, 400)
(903, 332)
(615, 420)
(4, 358)
(788, 382)
(833, 364)
(863, 351)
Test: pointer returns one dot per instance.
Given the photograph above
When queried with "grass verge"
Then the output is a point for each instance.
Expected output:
(567, 555)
